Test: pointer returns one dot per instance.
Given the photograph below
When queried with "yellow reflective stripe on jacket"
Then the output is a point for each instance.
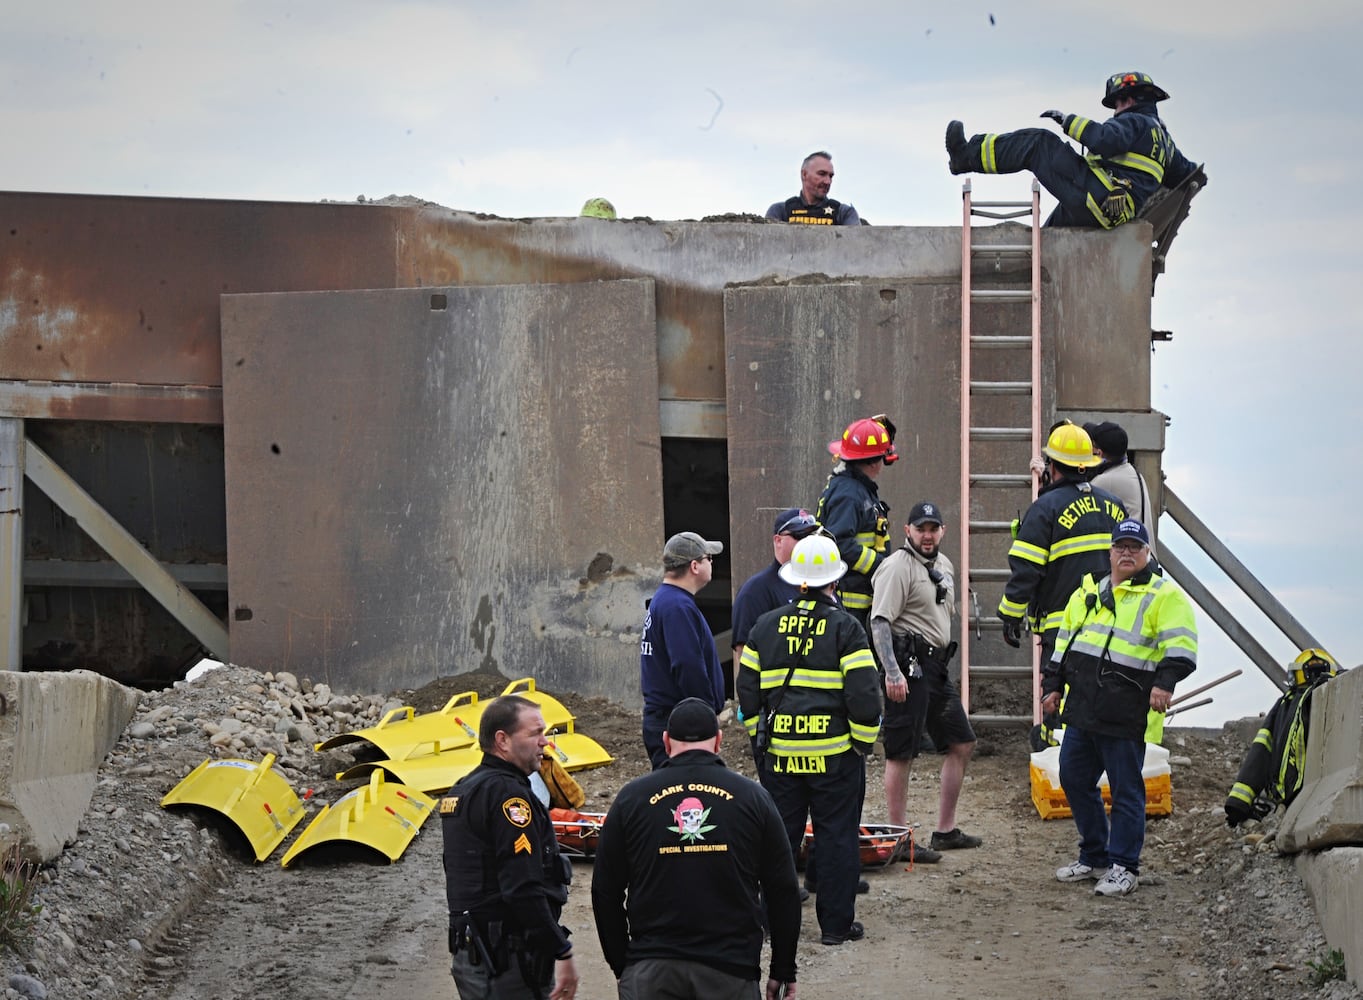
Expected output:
(1051, 621)
(1011, 609)
(856, 602)
(867, 540)
(805, 747)
(856, 659)
(1264, 739)
(1075, 544)
(1031, 553)
(989, 162)
(864, 734)
(1076, 128)
(1242, 792)
(1138, 161)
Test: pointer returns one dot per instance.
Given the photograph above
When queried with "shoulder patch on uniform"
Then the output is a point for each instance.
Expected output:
(448, 804)
(517, 810)
(522, 845)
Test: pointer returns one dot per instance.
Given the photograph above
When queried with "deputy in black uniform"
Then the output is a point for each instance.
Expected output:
(683, 854)
(1130, 156)
(812, 206)
(810, 697)
(504, 877)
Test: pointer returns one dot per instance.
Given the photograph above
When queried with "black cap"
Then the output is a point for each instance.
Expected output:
(925, 511)
(1109, 438)
(692, 721)
(796, 522)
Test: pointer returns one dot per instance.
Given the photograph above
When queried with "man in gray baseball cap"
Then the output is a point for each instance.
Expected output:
(677, 654)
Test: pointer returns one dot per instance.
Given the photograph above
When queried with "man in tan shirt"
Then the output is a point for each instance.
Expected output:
(913, 599)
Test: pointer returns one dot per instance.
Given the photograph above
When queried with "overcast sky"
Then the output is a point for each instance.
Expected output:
(682, 111)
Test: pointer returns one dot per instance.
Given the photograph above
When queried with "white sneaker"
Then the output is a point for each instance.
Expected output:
(1077, 871)
(1117, 882)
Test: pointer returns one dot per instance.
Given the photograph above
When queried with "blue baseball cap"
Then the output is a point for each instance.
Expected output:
(1131, 530)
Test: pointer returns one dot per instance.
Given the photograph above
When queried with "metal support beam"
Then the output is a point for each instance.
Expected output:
(111, 536)
(1223, 618)
(1236, 570)
(11, 543)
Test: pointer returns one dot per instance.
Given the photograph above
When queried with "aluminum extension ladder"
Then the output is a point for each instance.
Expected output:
(989, 475)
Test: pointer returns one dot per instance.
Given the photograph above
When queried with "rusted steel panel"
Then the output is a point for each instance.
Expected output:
(424, 482)
(118, 401)
(806, 361)
(104, 289)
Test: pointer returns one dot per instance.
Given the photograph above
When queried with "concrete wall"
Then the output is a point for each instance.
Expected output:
(845, 322)
(55, 729)
(1324, 824)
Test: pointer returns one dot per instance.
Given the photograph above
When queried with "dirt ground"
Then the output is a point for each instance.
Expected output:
(1218, 913)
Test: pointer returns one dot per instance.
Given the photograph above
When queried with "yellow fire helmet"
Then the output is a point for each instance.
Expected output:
(1311, 665)
(1069, 444)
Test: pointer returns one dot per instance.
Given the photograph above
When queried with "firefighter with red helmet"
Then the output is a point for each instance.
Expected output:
(1129, 156)
(850, 508)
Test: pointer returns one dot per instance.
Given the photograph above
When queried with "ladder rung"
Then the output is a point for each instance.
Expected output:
(1000, 248)
(991, 525)
(1002, 294)
(1001, 433)
(1002, 204)
(1000, 721)
(1000, 479)
(983, 575)
(993, 621)
(1000, 672)
(1000, 341)
(1001, 388)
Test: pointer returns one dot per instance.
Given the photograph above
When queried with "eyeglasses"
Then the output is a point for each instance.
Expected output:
(706, 558)
(802, 521)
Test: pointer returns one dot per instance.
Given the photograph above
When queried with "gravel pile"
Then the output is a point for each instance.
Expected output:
(112, 901)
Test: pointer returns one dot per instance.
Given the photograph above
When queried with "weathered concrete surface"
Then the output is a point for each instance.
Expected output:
(55, 729)
(1335, 880)
(1324, 823)
(423, 482)
(1329, 810)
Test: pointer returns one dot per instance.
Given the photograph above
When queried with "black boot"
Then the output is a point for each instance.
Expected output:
(958, 159)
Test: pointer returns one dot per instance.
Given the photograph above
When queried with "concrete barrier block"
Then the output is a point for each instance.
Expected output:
(1329, 810)
(1335, 880)
(55, 729)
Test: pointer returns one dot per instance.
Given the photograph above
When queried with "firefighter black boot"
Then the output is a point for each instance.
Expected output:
(958, 150)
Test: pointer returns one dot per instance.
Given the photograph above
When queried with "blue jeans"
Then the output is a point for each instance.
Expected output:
(1084, 756)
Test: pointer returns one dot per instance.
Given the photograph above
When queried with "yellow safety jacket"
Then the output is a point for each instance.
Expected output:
(1116, 643)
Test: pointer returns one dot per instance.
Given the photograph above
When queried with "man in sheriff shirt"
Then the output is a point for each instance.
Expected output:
(812, 206)
(684, 853)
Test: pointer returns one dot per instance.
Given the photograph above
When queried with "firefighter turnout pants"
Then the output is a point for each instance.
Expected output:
(831, 798)
(1061, 171)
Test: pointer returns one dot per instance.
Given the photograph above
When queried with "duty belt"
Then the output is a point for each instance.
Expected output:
(925, 650)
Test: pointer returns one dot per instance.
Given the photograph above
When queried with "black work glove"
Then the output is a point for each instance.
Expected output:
(1012, 632)
(1056, 116)
(1237, 812)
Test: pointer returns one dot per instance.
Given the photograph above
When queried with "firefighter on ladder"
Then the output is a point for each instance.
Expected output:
(1130, 156)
